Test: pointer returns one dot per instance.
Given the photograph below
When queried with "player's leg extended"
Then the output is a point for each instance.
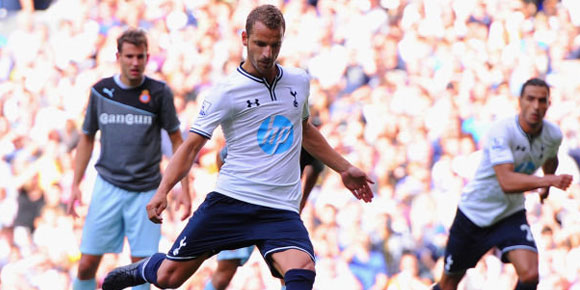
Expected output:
(202, 237)
(297, 267)
(526, 264)
(157, 270)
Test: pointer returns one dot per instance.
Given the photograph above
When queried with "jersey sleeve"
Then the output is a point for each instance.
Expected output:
(91, 122)
(168, 117)
(498, 146)
(214, 109)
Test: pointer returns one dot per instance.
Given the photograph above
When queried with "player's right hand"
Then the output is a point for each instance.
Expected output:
(74, 199)
(156, 206)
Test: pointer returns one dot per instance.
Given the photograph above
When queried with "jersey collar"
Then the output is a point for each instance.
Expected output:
(242, 71)
(529, 136)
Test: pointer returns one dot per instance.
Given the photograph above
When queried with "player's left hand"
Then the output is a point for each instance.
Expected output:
(183, 199)
(544, 192)
(156, 206)
(358, 183)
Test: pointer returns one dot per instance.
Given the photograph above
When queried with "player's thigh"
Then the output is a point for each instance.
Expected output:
(103, 228)
(142, 234)
(466, 244)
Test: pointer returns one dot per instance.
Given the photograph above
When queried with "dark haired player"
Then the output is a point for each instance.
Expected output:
(491, 211)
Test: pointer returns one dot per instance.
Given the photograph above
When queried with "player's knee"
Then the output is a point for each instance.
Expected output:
(87, 269)
(449, 282)
(529, 277)
(293, 259)
(305, 263)
(528, 274)
(309, 265)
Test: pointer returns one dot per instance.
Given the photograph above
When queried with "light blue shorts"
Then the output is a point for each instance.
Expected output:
(115, 213)
(242, 253)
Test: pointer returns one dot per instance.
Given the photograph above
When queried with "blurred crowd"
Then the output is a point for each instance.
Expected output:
(405, 89)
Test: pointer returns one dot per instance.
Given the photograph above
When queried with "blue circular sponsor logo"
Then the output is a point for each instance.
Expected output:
(276, 135)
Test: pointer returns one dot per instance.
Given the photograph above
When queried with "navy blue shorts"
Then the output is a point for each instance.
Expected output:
(223, 223)
(468, 242)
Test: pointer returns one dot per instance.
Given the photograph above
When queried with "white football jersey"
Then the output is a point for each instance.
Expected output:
(483, 201)
(262, 125)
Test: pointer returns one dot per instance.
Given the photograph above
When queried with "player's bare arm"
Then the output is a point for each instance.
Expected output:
(549, 167)
(177, 169)
(514, 182)
(353, 178)
(83, 155)
(183, 199)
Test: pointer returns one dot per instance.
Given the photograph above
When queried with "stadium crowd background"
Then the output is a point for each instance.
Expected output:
(404, 88)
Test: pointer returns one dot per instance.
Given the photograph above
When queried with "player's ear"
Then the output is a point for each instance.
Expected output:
(245, 38)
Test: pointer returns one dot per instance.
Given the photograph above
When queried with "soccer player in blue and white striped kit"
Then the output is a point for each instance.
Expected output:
(262, 108)
(491, 211)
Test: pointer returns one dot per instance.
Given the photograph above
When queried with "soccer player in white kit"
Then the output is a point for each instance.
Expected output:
(262, 108)
(491, 211)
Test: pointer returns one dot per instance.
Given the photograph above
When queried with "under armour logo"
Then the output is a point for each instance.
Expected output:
(109, 92)
(448, 263)
(294, 95)
(181, 244)
(256, 102)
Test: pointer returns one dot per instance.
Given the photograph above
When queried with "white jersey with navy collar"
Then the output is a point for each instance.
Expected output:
(483, 201)
(262, 125)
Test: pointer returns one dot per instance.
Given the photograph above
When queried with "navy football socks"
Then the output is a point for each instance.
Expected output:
(151, 267)
(299, 279)
(526, 286)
